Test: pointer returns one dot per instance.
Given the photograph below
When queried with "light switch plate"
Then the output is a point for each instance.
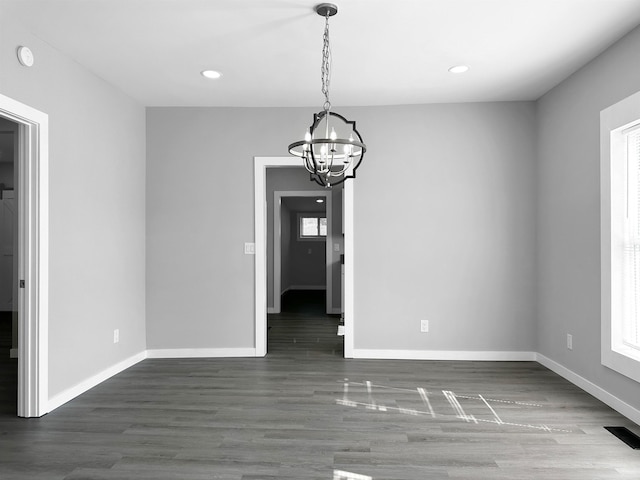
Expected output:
(249, 248)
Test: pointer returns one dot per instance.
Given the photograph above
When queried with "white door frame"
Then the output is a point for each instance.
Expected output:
(260, 217)
(33, 255)
(277, 244)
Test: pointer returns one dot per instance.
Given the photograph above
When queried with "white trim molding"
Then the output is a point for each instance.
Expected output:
(349, 258)
(33, 255)
(591, 388)
(86, 385)
(201, 352)
(260, 228)
(496, 356)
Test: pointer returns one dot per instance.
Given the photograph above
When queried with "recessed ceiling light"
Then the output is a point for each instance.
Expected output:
(212, 74)
(459, 69)
(319, 200)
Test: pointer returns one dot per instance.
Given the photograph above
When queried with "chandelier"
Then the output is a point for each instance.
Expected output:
(332, 148)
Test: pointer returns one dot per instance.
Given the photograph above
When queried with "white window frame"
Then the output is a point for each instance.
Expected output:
(614, 120)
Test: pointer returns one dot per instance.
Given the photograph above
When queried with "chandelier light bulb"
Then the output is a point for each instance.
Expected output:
(307, 136)
(333, 134)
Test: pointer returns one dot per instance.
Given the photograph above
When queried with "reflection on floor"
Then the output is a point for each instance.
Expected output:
(303, 326)
(443, 404)
(342, 475)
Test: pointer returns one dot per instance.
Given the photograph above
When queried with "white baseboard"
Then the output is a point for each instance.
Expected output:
(201, 352)
(272, 310)
(601, 394)
(444, 355)
(13, 353)
(89, 383)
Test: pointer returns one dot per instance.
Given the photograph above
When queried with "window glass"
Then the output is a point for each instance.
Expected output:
(312, 226)
(631, 245)
(309, 227)
(323, 227)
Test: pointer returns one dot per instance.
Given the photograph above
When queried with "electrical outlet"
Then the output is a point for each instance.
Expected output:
(336, 247)
(569, 341)
(424, 326)
(116, 335)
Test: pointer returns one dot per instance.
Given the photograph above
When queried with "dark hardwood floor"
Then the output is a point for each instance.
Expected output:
(303, 412)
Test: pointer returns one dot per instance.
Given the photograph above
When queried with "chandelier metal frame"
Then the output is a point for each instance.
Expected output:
(329, 159)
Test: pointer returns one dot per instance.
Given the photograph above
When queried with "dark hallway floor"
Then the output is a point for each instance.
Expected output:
(303, 327)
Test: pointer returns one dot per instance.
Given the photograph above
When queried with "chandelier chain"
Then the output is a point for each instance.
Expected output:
(326, 65)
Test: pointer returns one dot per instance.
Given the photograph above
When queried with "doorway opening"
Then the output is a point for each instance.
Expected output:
(304, 312)
(29, 281)
(303, 261)
(8, 268)
(261, 164)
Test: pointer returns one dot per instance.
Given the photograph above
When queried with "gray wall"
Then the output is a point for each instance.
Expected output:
(444, 228)
(97, 209)
(444, 224)
(308, 266)
(285, 277)
(568, 195)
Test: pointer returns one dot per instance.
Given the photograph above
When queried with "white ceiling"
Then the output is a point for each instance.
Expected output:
(384, 52)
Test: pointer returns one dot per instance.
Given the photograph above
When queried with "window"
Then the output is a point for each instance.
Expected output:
(631, 243)
(620, 238)
(312, 227)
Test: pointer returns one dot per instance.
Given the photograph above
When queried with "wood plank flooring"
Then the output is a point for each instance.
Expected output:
(303, 412)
